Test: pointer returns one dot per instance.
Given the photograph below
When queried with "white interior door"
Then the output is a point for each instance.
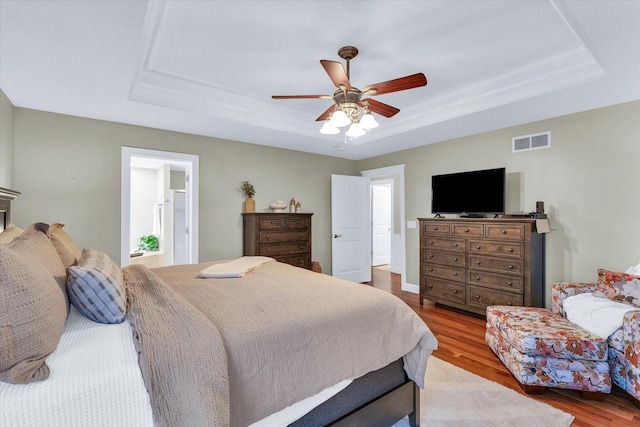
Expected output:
(381, 223)
(350, 231)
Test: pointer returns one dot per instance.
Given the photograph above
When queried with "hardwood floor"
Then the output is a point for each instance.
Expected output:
(461, 343)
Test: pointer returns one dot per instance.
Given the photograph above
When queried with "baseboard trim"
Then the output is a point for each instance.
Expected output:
(410, 287)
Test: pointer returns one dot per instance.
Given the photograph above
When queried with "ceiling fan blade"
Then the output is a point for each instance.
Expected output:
(326, 114)
(302, 96)
(336, 73)
(380, 107)
(395, 85)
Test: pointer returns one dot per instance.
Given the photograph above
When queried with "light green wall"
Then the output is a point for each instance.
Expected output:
(589, 181)
(68, 170)
(6, 141)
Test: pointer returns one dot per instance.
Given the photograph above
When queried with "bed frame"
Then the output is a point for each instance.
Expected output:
(6, 196)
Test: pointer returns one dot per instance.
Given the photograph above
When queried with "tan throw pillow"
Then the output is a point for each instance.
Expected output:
(64, 244)
(10, 233)
(34, 242)
(32, 316)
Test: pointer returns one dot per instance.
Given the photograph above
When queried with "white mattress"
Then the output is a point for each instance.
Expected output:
(96, 381)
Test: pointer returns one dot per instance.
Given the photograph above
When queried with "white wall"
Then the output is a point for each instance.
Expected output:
(589, 180)
(68, 170)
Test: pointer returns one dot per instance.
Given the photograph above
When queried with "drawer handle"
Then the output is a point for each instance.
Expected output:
(477, 262)
(477, 277)
(297, 221)
(430, 286)
(268, 237)
(509, 283)
(301, 246)
(300, 236)
(455, 274)
(435, 228)
(431, 242)
(466, 230)
(477, 246)
(272, 222)
(510, 267)
(504, 231)
(430, 255)
(477, 297)
(268, 250)
(430, 268)
(455, 291)
(509, 304)
(456, 259)
(510, 250)
(455, 245)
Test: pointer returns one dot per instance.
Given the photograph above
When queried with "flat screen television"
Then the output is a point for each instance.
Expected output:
(472, 193)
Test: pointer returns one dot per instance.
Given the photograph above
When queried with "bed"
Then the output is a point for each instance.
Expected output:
(279, 345)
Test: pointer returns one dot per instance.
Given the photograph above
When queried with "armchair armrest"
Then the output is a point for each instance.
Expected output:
(560, 292)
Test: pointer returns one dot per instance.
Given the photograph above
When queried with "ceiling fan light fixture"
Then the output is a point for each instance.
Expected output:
(329, 129)
(368, 121)
(339, 119)
(355, 130)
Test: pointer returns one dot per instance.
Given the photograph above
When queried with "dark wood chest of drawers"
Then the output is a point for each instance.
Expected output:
(470, 264)
(283, 236)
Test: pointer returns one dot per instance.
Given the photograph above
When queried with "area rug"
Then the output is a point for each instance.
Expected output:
(455, 397)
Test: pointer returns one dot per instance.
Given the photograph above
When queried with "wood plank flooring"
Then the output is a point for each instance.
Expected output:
(461, 343)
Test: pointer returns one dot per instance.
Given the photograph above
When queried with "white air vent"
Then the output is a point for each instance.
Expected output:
(531, 142)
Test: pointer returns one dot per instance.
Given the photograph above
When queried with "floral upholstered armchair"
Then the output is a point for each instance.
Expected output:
(624, 342)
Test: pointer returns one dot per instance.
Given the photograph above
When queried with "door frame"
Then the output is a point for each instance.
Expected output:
(191, 162)
(385, 172)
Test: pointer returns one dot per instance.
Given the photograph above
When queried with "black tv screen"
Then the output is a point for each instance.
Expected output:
(469, 193)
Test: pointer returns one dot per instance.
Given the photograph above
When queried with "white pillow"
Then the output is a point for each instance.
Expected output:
(634, 270)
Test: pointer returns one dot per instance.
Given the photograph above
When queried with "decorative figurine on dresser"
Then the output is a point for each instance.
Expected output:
(470, 264)
(283, 236)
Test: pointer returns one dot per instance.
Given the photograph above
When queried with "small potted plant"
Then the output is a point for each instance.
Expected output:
(248, 191)
(148, 243)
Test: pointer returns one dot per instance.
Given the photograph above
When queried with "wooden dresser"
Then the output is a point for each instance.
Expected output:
(470, 264)
(283, 236)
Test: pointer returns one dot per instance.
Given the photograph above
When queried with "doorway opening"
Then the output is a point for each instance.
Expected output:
(159, 203)
(397, 251)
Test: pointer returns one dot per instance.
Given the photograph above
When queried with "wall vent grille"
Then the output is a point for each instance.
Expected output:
(531, 142)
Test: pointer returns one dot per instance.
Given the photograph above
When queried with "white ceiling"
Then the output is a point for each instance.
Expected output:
(210, 67)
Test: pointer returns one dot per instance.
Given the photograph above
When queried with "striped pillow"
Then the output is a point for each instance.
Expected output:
(96, 288)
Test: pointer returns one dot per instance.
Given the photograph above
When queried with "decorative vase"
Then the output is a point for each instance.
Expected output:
(249, 205)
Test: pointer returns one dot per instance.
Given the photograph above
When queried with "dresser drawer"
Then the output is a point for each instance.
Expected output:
(505, 231)
(514, 266)
(270, 223)
(511, 249)
(507, 283)
(297, 260)
(481, 298)
(444, 272)
(439, 257)
(283, 236)
(444, 244)
(297, 222)
(435, 227)
(467, 230)
(442, 290)
(284, 249)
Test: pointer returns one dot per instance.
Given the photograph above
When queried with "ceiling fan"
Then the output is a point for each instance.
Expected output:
(349, 105)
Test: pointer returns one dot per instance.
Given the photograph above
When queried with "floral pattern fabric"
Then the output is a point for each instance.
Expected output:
(624, 344)
(538, 332)
(619, 287)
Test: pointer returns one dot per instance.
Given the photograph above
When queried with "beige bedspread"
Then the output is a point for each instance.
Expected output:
(288, 333)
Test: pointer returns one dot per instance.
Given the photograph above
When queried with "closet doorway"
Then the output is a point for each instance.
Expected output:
(159, 198)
